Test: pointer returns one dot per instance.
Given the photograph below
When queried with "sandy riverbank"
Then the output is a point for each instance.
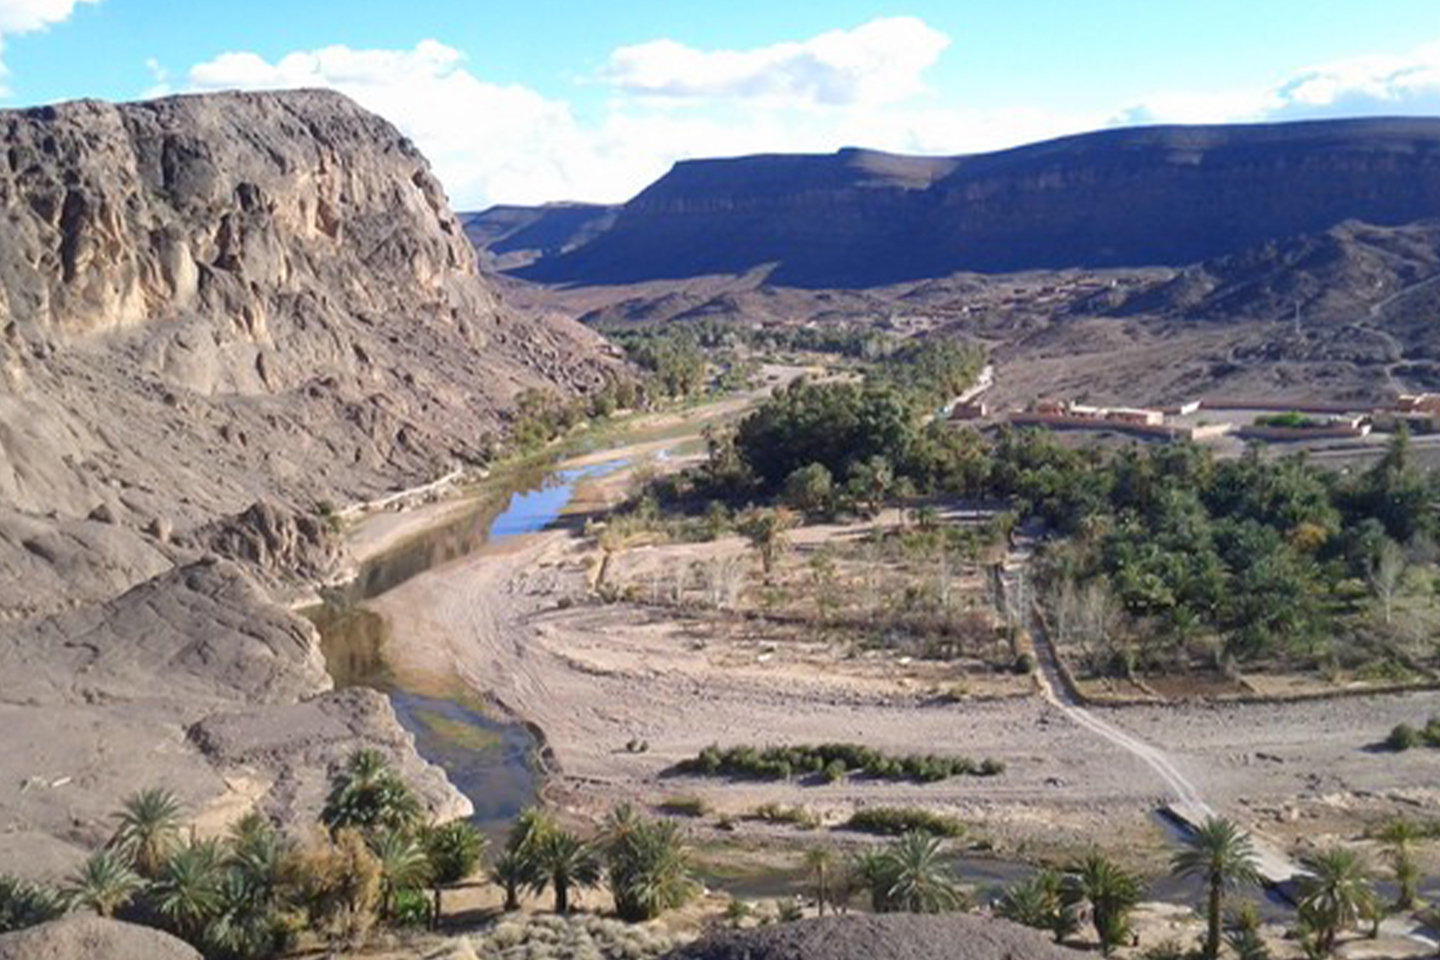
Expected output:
(514, 621)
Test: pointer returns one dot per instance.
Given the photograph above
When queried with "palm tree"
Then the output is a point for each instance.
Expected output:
(1038, 902)
(26, 904)
(1335, 892)
(104, 884)
(512, 870)
(1110, 890)
(648, 866)
(564, 861)
(186, 891)
(403, 866)
(1243, 934)
(454, 850)
(149, 829)
(368, 794)
(818, 860)
(1222, 856)
(253, 894)
(913, 877)
(1399, 836)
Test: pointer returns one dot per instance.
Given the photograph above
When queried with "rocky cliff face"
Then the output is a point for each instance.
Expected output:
(208, 301)
(1149, 196)
(216, 314)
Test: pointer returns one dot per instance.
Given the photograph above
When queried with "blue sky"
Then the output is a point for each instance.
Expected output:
(530, 102)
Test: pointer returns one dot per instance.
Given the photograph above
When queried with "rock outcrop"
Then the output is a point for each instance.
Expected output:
(193, 681)
(209, 301)
(891, 936)
(93, 939)
(219, 316)
(1117, 198)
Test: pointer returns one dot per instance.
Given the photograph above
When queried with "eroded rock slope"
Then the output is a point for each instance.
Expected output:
(217, 313)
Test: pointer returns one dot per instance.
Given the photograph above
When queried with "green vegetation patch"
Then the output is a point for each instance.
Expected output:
(464, 735)
(832, 761)
(895, 821)
(1405, 737)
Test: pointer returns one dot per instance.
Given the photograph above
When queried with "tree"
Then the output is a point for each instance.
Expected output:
(1111, 892)
(811, 490)
(1334, 894)
(512, 871)
(104, 884)
(1222, 856)
(909, 875)
(1039, 903)
(1243, 934)
(454, 850)
(337, 882)
(186, 890)
(25, 904)
(253, 895)
(149, 830)
(563, 862)
(1399, 837)
(648, 865)
(870, 482)
(369, 795)
(819, 860)
(767, 532)
(403, 866)
(1385, 572)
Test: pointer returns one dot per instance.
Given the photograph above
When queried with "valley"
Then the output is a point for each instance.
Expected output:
(656, 539)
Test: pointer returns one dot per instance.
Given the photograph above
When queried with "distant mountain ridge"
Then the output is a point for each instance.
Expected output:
(1147, 196)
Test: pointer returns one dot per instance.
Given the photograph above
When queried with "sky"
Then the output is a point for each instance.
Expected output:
(533, 101)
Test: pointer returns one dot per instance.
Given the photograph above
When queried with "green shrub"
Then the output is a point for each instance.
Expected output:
(410, 909)
(895, 821)
(1403, 737)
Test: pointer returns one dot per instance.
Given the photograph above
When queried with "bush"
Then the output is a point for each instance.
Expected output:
(895, 821)
(797, 816)
(1403, 737)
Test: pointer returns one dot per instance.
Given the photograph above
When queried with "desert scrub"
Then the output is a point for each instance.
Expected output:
(1405, 737)
(895, 821)
(684, 806)
(577, 938)
(797, 816)
(831, 761)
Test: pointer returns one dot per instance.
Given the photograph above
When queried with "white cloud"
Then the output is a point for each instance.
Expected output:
(28, 16)
(497, 143)
(878, 62)
(494, 143)
(1407, 83)
(486, 141)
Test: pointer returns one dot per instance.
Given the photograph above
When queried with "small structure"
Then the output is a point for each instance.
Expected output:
(1426, 403)
(976, 409)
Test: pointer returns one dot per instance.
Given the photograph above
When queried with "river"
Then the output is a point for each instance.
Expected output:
(491, 761)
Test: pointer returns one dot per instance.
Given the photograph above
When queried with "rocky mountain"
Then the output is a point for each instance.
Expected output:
(208, 301)
(217, 314)
(1153, 196)
(509, 237)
